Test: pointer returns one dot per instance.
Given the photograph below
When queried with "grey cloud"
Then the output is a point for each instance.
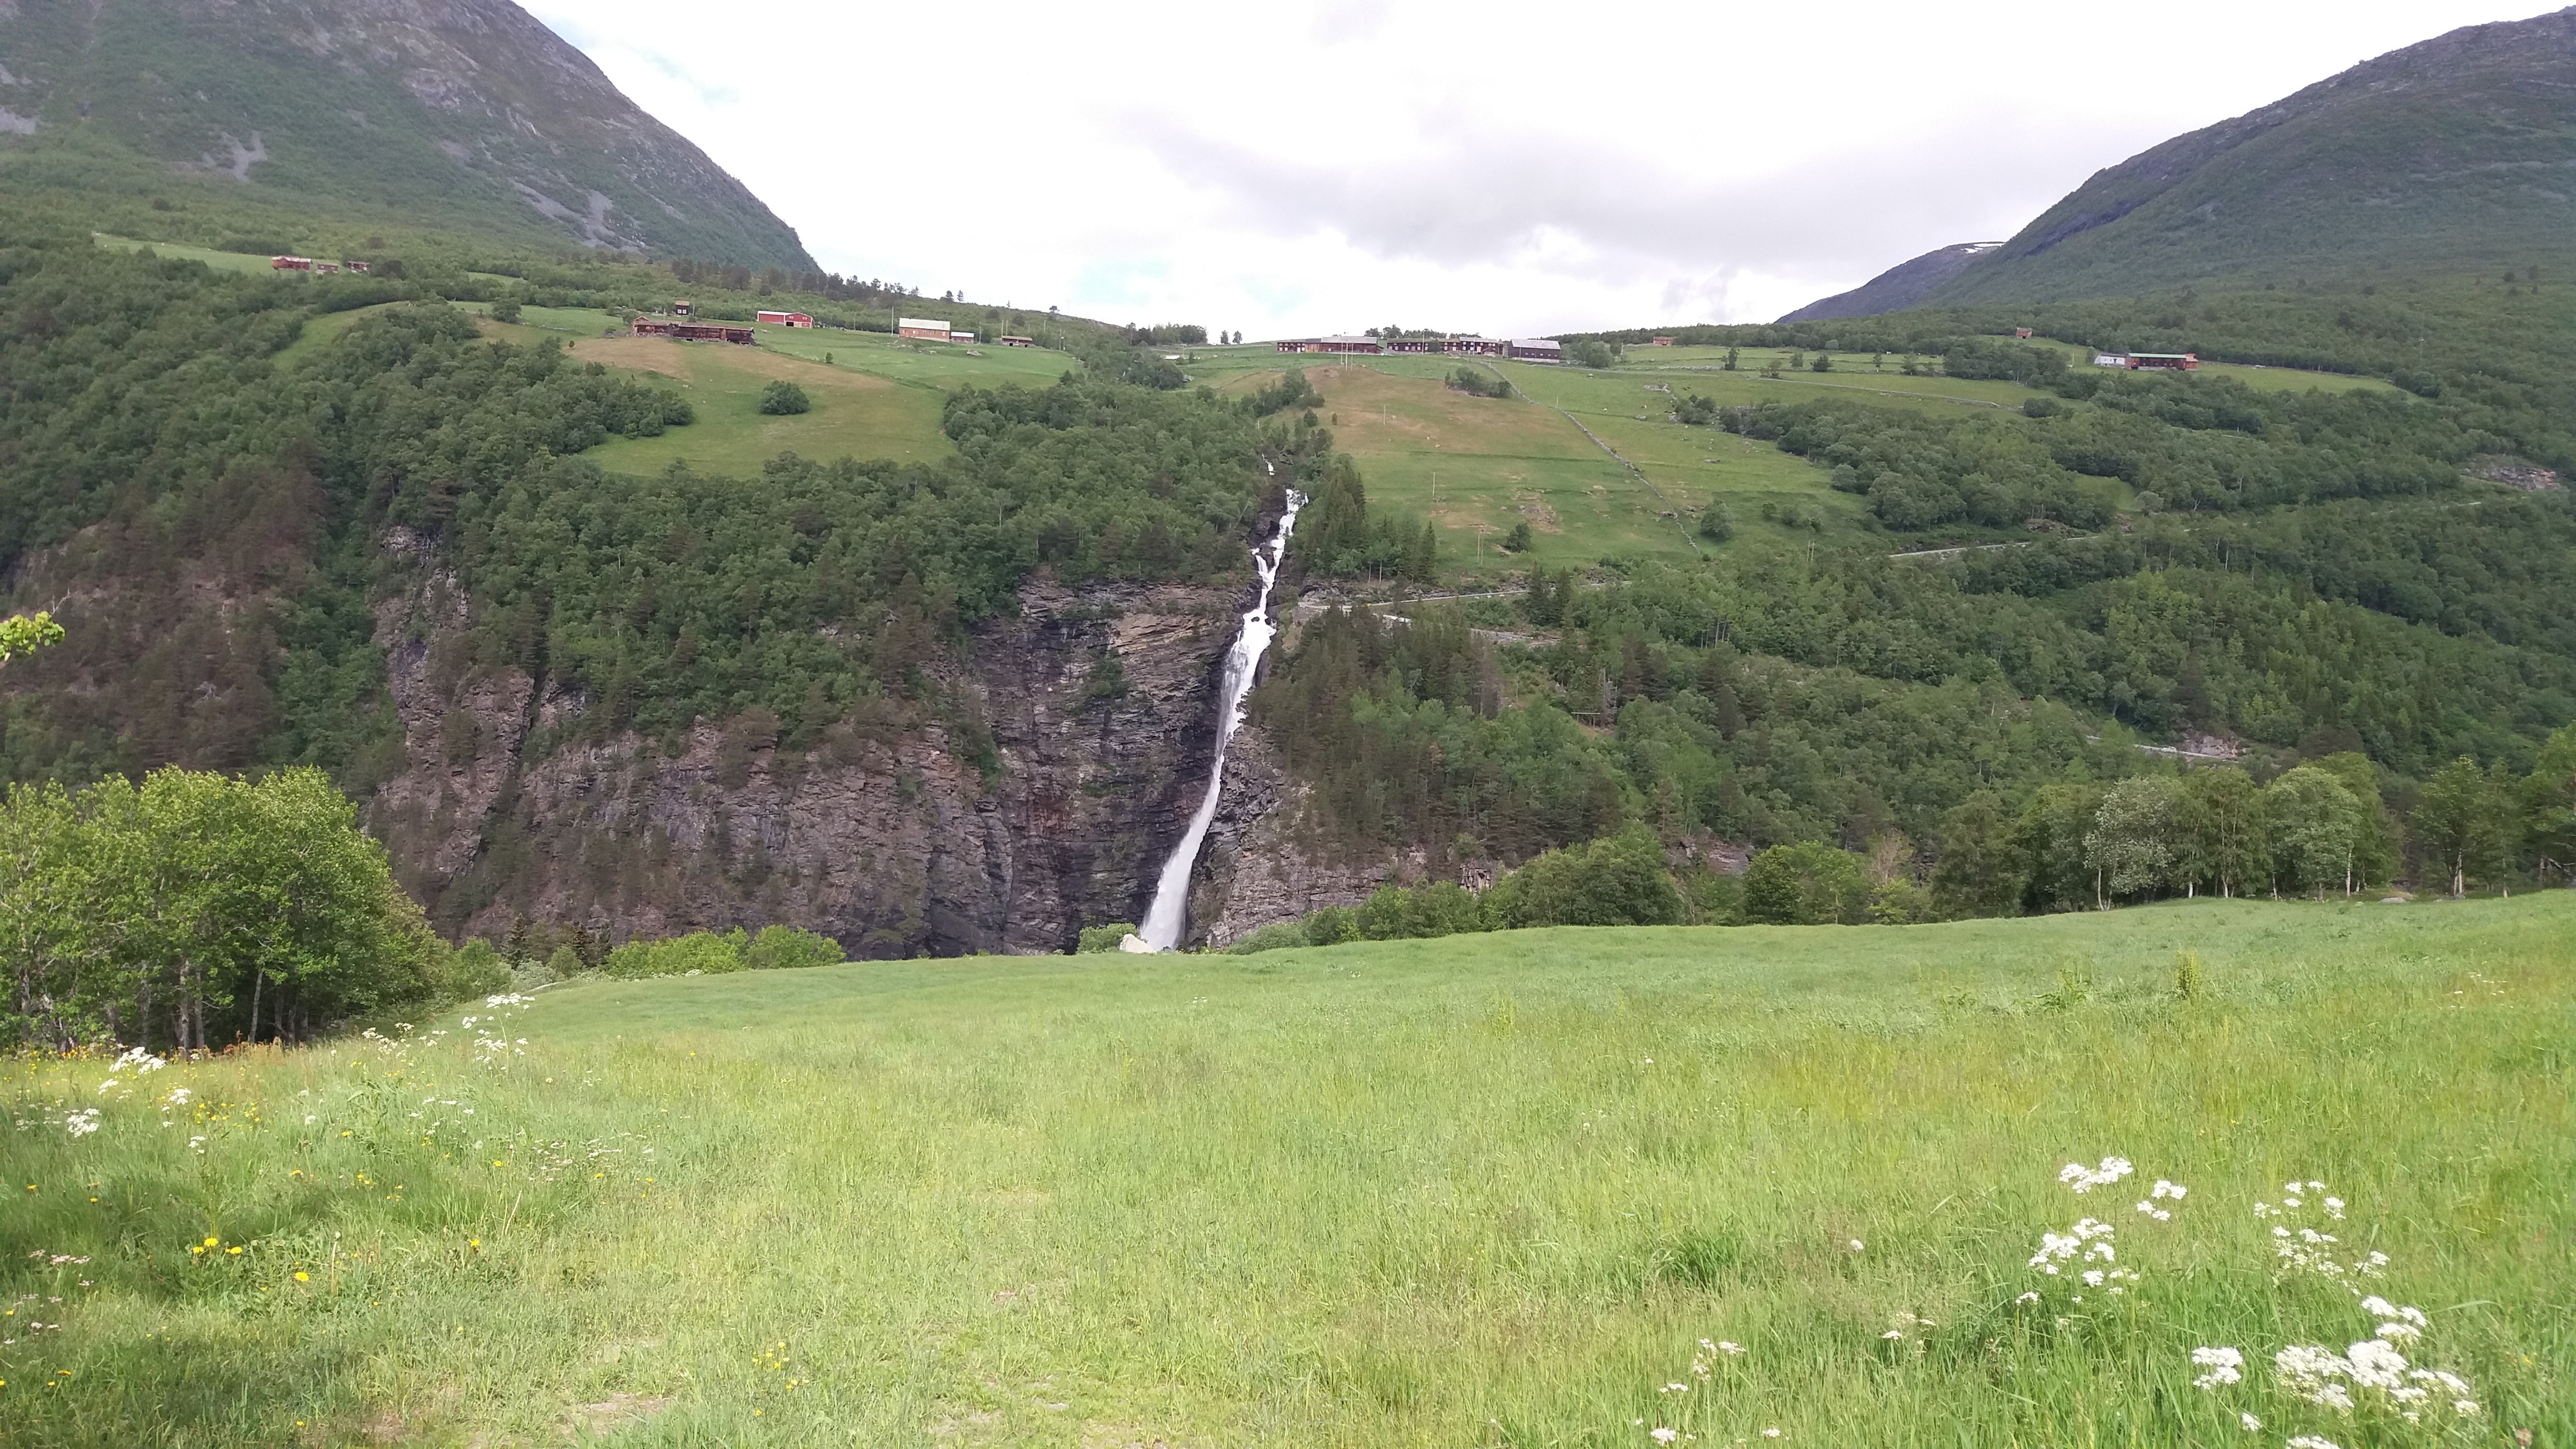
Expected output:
(1483, 196)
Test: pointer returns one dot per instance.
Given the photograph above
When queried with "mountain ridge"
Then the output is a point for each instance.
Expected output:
(2455, 154)
(463, 114)
(1899, 287)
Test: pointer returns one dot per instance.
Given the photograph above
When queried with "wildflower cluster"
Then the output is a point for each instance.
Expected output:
(2371, 1377)
(2087, 1253)
(2302, 1245)
(493, 1047)
(1711, 1355)
(2163, 1191)
(2081, 1179)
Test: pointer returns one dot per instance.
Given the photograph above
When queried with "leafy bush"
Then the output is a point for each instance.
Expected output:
(1104, 938)
(1616, 881)
(700, 952)
(1277, 936)
(783, 399)
(1807, 884)
(784, 948)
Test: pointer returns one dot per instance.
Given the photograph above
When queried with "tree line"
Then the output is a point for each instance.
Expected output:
(2320, 829)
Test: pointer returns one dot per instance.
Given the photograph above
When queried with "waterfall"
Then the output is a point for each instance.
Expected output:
(1162, 928)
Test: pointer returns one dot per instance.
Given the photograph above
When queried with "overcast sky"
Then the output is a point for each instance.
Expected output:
(1301, 166)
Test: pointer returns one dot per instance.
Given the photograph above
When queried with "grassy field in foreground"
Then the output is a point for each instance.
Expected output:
(1483, 1191)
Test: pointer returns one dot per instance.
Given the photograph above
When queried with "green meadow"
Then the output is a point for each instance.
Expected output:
(1523, 1189)
(1553, 458)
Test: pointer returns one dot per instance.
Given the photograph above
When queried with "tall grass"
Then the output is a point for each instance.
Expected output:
(1484, 1190)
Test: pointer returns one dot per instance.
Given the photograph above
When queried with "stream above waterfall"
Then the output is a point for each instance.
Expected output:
(1169, 914)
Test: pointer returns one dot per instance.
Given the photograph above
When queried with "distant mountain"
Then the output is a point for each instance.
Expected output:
(2455, 155)
(466, 115)
(1899, 287)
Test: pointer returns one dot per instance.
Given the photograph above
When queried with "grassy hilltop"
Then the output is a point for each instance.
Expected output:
(1487, 1190)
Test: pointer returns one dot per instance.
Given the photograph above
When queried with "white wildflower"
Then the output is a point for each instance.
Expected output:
(1856, 1245)
(2376, 1364)
(1674, 1389)
(2252, 1424)
(2029, 1297)
(81, 1123)
(2224, 1365)
(1663, 1436)
(2311, 1441)
(1770, 1433)
(179, 1096)
(1893, 1334)
(2079, 1178)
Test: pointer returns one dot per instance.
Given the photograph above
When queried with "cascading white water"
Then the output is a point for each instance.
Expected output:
(1162, 928)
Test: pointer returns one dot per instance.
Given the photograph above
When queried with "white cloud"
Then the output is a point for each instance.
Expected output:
(1503, 167)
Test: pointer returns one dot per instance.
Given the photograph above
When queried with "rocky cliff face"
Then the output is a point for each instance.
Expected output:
(1263, 864)
(896, 841)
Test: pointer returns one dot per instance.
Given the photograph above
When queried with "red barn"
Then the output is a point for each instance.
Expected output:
(784, 319)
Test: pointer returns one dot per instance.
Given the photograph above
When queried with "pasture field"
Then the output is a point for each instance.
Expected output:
(1477, 466)
(177, 252)
(2265, 379)
(1488, 1190)
(856, 414)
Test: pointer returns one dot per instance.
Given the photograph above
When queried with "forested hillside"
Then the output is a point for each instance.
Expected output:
(2445, 158)
(327, 522)
(267, 550)
(2275, 575)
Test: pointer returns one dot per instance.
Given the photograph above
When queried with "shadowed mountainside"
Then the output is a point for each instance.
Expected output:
(468, 115)
(1901, 286)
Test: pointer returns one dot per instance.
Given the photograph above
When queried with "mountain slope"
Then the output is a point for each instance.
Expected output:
(2455, 155)
(1899, 287)
(468, 114)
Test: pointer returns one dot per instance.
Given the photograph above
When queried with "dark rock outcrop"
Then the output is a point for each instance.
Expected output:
(898, 840)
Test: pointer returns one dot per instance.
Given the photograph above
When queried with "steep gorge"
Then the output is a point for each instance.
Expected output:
(896, 842)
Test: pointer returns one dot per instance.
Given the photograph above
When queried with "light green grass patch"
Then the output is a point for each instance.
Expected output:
(1487, 1190)
(2266, 379)
(174, 251)
(856, 414)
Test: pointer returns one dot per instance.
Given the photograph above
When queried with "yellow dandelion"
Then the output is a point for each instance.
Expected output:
(210, 1242)
(303, 1277)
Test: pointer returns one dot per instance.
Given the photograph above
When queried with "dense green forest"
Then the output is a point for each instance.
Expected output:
(216, 502)
(1842, 698)
(165, 442)
(2313, 574)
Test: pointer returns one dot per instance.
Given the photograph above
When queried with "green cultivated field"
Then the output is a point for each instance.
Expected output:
(874, 398)
(1486, 1190)
(1477, 466)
